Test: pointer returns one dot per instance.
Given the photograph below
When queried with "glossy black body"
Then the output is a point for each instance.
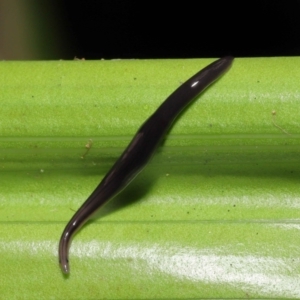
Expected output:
(140, 150)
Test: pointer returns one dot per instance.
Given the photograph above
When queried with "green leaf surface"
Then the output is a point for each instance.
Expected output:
(215, 214)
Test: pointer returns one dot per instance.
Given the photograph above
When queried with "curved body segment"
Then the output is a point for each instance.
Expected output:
(139, 151)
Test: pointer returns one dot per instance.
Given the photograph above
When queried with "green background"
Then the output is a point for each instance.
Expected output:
(215, 214)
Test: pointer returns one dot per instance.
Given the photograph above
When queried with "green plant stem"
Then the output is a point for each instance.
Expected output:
(214, 215)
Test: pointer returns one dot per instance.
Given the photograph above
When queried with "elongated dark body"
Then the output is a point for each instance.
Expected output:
(139, 151)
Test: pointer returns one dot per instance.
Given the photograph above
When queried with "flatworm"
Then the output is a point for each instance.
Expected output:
(139, 151)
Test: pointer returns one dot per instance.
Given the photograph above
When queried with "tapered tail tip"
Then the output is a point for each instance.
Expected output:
(63, 253)
(64, 266)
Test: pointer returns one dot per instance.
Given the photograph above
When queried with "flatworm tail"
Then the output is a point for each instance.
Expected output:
(139, 151)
